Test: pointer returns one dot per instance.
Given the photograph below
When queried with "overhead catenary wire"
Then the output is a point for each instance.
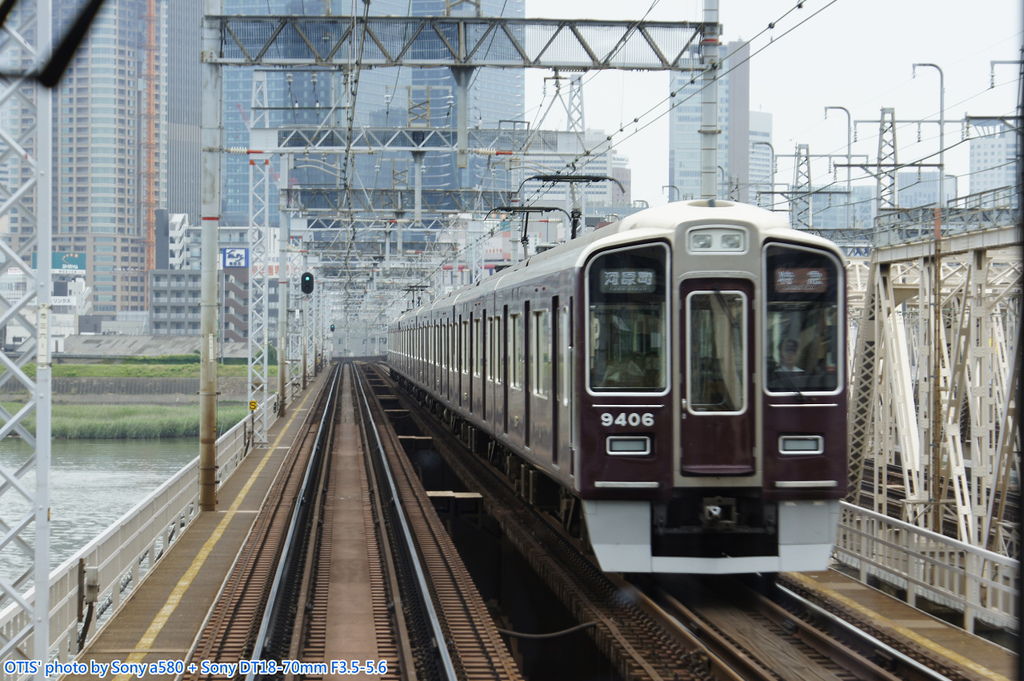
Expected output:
(609, 143)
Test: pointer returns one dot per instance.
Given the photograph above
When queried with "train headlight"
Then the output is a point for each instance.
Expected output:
(701, 242)
(717, 240)
(732, 242)
(801, 444)
(621, 445)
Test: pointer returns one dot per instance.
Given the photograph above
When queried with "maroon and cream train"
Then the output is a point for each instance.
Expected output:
(681, 373)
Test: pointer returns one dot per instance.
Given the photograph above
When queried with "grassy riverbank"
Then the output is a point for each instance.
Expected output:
(137, 369)
(132, 421)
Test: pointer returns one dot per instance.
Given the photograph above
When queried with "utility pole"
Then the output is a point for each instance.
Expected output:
(937, 418)
(709, 102)
(212, 135)
(43, 388)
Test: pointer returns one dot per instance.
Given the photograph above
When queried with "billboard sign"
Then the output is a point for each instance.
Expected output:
(63, 262)
(234, 257)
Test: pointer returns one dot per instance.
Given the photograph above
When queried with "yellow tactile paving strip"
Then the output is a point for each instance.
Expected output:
(936, 636)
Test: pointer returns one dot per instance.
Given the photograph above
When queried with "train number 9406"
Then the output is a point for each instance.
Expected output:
(624, 419)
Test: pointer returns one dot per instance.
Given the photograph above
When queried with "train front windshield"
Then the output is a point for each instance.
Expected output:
(802, 320)
(627, 321)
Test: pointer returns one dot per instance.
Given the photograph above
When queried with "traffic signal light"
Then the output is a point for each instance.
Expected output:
(306, 282)
(332, 328)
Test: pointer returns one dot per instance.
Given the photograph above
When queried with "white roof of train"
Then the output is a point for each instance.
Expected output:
(658, 221)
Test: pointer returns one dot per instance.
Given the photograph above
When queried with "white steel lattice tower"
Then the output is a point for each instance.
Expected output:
(800, 202)
(886, 170)
(26, 201)
(259, 261)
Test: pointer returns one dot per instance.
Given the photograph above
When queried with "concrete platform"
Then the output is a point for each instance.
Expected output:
(978, 657)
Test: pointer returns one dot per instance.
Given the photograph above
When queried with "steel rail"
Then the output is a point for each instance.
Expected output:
(410, 545)
(265, 636)
(863, 635)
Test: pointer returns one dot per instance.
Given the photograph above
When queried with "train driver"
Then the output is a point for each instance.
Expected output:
(788, 349)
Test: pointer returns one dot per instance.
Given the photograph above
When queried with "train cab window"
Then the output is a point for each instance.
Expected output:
(627, 320)
(716, 351)
(803, 330)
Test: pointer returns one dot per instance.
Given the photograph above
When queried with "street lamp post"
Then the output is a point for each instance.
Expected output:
(771, 162)
(849, 159)
(941, 202)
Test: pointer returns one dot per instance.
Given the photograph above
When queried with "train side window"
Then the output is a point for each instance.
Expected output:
(493, 372)
(478, 348)
(716, 351)
(464, 348)
(540, 329)
(516, 355)
(627, 300)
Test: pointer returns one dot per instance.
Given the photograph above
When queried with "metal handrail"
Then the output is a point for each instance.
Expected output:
(981, 584)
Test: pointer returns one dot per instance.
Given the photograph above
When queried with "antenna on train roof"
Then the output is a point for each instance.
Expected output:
(526, 210)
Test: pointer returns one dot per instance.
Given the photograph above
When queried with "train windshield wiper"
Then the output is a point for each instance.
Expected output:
(792, 384)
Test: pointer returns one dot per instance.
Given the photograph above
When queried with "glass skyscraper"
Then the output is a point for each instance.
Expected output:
(100, 146)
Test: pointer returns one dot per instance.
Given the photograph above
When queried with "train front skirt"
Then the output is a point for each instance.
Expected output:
(620, 534)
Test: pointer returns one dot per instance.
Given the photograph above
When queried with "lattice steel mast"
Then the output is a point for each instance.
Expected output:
(27, 200)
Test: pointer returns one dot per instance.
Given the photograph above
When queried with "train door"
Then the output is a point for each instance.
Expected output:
(525, 383)
(481, 363)
(556, 372)
(463, 331)
(717, 432)
(563, 432)
(504, 377)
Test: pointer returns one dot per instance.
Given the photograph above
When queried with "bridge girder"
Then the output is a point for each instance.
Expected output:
(466, 42)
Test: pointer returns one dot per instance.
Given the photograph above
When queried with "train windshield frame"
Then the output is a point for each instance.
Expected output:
(627, 304)
(803, 320)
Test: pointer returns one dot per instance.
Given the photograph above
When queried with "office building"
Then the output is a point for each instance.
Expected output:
(995, 166)
(734, 122)
(109, 149)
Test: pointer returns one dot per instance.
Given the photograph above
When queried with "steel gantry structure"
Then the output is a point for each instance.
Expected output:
(358, 217)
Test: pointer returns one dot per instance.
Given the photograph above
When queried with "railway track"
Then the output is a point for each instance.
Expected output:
(466, 642)
(233, 625)
(639, 643)
(735, 633)
(429, 621)
(757, 637)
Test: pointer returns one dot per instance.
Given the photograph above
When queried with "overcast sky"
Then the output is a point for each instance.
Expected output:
(852, 53)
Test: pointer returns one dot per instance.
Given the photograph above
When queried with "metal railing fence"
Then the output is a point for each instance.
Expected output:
(980, 584)
(90, 587)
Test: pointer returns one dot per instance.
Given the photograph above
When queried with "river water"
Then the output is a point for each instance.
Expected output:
(92, 484)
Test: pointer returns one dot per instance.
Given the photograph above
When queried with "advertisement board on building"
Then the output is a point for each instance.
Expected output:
(234, 258)
(63, 262)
